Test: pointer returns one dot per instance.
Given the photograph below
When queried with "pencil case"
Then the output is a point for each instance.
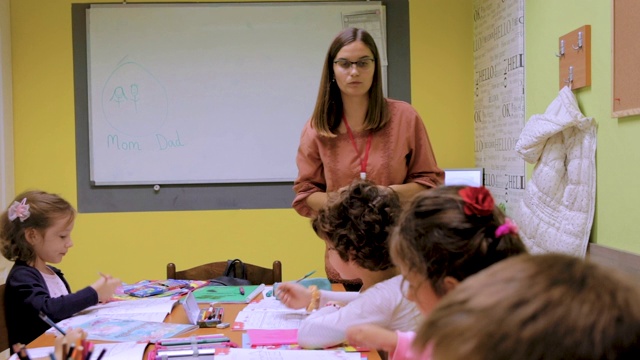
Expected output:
(148, 290)
(201, 340)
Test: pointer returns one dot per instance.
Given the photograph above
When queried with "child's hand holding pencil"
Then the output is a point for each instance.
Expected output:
(106, 286)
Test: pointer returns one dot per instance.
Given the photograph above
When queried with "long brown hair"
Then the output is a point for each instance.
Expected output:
(435, 238)
(44, 209)
(328, 111)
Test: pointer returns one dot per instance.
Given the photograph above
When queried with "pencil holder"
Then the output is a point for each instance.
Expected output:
(206, 321)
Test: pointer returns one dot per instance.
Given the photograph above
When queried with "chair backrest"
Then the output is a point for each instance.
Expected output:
(256, 274)
(4, 333)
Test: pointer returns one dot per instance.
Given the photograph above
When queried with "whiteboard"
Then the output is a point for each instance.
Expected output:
(208, 93)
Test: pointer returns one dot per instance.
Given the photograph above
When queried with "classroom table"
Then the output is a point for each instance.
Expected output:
(179, 316)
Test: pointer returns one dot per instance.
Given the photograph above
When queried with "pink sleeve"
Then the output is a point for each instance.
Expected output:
(310, 171)
(403, 347)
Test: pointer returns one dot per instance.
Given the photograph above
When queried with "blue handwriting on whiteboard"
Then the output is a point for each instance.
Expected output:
(114, 142)
(166, 143)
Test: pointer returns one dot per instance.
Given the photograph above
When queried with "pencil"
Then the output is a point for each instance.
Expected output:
(306, 275)
(72, 347)
(89, 351)
(46, 319)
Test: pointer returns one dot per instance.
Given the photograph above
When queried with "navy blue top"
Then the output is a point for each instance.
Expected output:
(26, 294)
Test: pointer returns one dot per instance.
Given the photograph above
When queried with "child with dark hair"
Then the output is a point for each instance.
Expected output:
(531, 307)
(36, 230)
(355, 227)
(446, 235)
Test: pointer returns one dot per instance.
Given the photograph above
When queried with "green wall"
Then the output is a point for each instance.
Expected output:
(135, 246)
(618, 152)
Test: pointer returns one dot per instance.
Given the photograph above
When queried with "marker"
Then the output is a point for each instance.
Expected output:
(46, 319)
(104, 350)
(220, 313)
(241, 290)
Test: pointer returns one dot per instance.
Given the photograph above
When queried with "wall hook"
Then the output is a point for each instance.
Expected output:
(561, 49)
(579, 42)
(569, 80)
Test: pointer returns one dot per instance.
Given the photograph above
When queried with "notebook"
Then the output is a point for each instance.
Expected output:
(227, 294)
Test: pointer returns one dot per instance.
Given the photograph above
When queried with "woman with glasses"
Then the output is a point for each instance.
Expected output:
(355, 132)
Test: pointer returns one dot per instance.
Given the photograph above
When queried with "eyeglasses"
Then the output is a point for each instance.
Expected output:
(362, 64)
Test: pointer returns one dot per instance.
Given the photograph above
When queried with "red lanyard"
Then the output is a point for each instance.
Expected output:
(363, 161)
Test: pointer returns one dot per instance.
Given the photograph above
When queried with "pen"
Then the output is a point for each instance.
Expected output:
(46, 319)
(306, 275)
(241, 290)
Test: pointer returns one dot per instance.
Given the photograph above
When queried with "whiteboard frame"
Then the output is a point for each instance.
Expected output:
(211, 130)
(132, 198)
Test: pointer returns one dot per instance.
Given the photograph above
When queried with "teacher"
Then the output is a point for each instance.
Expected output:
(355, 132)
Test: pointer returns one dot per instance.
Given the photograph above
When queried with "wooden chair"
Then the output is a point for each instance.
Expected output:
(4, 334)
(256, 274)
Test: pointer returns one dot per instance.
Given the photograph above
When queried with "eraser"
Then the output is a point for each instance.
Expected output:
(223, 325)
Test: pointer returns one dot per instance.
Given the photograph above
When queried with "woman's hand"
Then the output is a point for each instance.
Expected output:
(372, 337)
(294, 296)
(105, 287)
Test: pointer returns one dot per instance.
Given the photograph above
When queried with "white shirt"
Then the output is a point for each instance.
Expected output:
(383, 304)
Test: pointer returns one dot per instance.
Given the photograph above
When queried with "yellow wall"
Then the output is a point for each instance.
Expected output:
(442, 76)
(137, 246)
(618, 154)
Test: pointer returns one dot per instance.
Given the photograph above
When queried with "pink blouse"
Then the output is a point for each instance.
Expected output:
(400, 153)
